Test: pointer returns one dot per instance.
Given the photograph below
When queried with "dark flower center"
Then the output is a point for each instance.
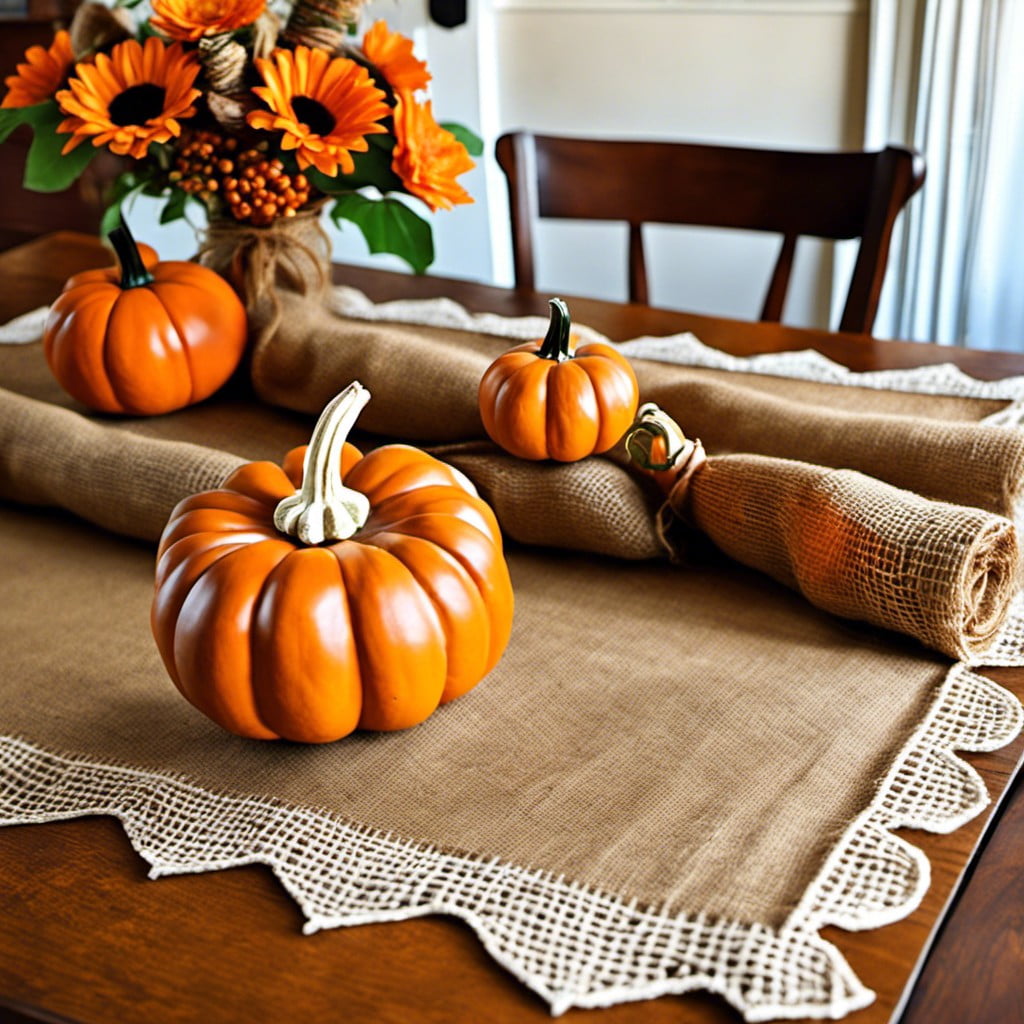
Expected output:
(314, 115)
(137, 104)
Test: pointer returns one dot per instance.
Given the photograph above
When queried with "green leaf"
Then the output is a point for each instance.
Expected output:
(39, 114)
(13, 117)
(388, 225)
(46, 168)
(125, 183)
(175, 206)
(473, 143)
(111, 219)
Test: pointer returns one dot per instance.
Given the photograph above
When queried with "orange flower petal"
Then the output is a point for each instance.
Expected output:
(391, 53)
(340, 86)
(189, 20)
(43, 72)
(88, 99)
(427, 157)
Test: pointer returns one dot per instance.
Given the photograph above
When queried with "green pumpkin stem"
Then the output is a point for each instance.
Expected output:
(324, 509)
(133, 271)
(556, 341)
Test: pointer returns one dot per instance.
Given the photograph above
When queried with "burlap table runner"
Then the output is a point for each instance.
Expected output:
(424, 380)
(939, 453)
(670, 780)
(852, 545)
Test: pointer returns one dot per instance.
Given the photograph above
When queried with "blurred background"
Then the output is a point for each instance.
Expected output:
(943, 76)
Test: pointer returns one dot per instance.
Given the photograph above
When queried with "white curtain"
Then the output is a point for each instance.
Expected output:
(947, 77)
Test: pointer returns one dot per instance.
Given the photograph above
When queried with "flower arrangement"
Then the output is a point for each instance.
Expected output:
(257, 116)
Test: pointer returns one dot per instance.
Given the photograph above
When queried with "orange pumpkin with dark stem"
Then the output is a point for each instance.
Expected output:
(541, 401)
(306, 614)
(155, 340)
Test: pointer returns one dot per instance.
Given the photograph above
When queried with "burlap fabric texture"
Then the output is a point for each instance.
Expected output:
(424, 380)
(852, 545)
(670, 780)
(860, 548)
(865, 543)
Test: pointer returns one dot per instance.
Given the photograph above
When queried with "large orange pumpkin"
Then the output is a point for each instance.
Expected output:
(359, 604)
(157, 339)
(542, 401)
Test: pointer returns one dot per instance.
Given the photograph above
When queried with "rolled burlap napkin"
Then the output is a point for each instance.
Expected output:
(129, 483)
(959, 462)
(425, 379)
(593, 505)
(119, 480)
(852, 545)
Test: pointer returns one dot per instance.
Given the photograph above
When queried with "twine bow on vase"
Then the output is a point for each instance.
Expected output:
(291, 253)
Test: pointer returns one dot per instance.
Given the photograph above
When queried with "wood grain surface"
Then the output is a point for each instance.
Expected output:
(85, 936)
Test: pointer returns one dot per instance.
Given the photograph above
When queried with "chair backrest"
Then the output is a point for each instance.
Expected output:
(821, 194)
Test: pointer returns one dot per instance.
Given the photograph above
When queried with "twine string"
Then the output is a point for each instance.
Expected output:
(688, 461)
(265, 30)
(95, 26)
(657, 444)
(224, 62)
(322, 24)
(290, 253)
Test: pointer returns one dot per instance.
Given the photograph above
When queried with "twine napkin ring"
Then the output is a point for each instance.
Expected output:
(657, 445)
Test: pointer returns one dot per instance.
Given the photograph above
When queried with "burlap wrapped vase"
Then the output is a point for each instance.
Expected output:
(290, 255)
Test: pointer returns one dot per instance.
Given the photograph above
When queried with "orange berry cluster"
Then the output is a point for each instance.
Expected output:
(253, 186)
(200, 161)
(258, 190)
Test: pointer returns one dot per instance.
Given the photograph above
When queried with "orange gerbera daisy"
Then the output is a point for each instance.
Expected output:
(192, 19)
(131, 98)
(41, 75)
(391, 53)
(427, 157)
(324, 105)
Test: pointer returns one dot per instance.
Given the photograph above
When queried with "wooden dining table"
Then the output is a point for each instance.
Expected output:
(86, 937)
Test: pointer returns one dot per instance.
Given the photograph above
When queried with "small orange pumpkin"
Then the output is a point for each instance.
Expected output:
(307, 614)
(155, 340)
(541, 401)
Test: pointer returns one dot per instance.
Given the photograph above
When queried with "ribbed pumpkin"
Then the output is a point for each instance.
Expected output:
(542, 401)
(154, 340)
(307, 614)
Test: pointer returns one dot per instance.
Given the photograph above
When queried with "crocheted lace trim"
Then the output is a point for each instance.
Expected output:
(686, 349)
(572, 944)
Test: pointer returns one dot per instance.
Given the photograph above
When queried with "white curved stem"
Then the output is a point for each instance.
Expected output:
(324, 508)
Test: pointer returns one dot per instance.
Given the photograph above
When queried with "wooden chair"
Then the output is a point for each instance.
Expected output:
(821, 194)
